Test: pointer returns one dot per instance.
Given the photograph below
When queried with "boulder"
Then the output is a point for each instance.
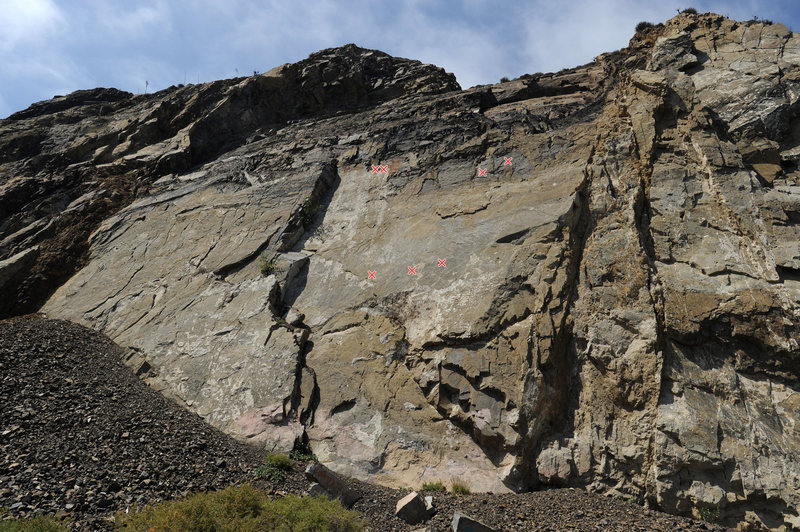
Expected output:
(462, 523)
(412, 509)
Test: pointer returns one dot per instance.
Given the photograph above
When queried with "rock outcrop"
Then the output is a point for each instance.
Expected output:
(589, 278)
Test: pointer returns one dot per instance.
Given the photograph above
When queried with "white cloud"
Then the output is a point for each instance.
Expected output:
(566, 34)
(31, 34)
(133, 21)
(26, 22)
(470, 54)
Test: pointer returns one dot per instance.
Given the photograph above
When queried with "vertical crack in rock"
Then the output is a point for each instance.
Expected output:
(613, 344)
(307, 213)
(550, 361)
(303, 221)
(664, 124)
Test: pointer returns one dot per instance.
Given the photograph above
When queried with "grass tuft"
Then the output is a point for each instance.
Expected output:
(643, 25)
(433, 486)
(245, 509)
(275, 467)
(460, 489)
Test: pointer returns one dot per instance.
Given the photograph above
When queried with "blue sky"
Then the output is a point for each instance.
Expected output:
(50, 47)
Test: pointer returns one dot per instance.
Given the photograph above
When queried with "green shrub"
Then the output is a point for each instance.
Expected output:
(308, 210)
(503, 79)
(460, 489)
(690, 11)
(709, 515)
(267, 266)
(245, 509)
(275, 467)
(433, 486)
(643, 25)
(39, 523)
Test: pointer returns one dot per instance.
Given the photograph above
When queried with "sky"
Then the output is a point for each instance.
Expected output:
(50, 47)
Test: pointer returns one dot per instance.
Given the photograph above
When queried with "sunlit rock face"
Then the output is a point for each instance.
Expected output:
(589, 278)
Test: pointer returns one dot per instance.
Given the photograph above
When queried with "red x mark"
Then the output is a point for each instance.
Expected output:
(412, 270)
(376, 169)
(508, 161)
(482, 172)
(442, 264)
(371, 274)
(385, 169)
(379, 169)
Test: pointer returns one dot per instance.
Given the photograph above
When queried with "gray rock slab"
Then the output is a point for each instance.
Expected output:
(335, 485)
(316, 490)
(11, 267)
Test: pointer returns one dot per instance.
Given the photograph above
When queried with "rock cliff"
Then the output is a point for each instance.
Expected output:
(606, 262)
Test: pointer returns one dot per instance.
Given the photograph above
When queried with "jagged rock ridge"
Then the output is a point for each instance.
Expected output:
(619, 307)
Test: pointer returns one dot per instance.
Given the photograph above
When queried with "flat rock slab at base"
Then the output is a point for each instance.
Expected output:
(333, 484)
(412, 509)
(462, 523)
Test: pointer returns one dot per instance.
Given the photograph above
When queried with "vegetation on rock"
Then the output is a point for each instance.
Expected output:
(709, 515)
(267, 266)
(307, 212)
(301, 450)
